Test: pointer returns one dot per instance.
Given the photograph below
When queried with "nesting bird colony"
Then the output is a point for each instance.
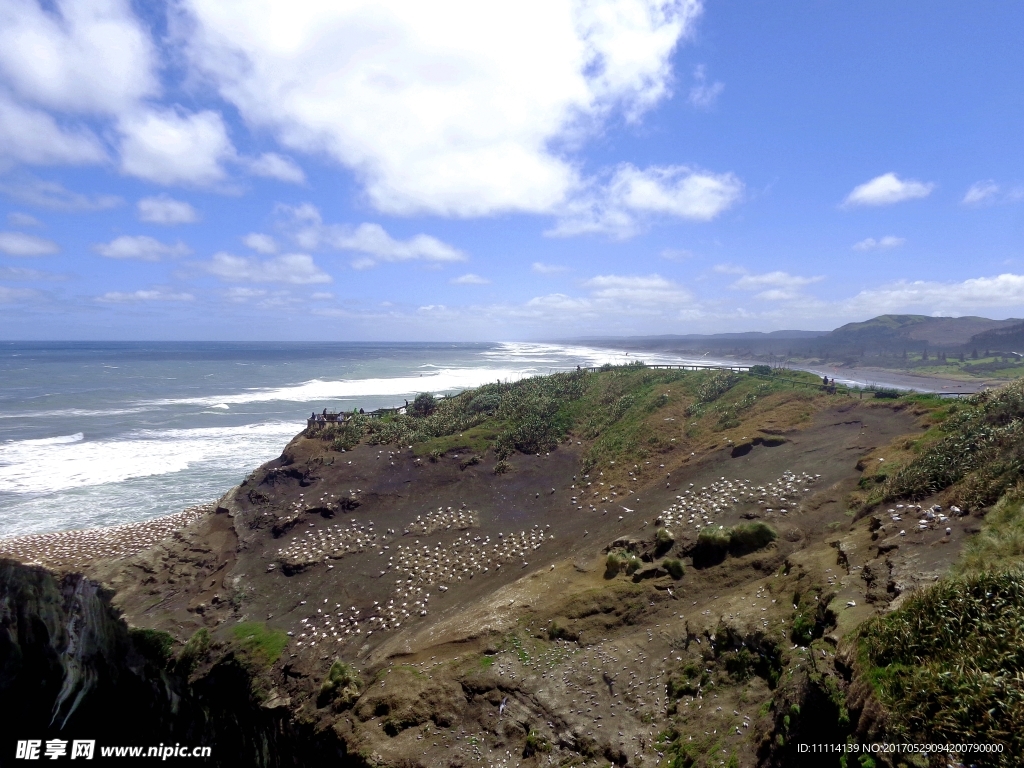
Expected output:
(321, 544)
(77, 549)
(417, 568)
(927, 518)
(443, 520)
(699, 506)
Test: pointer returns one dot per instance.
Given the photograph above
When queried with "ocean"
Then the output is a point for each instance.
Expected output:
(95, 434)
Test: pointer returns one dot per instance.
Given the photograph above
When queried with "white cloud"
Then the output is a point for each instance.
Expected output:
(451, 109)
(140, 247)
(172, 147)
(547, 269)
(886, 190)
(50, 194)
(774, 286)
(21, 273)
(621, 207)
(321, 296)
(981, 192)
(676, 254)
(165, 210)
(29, 135)
(19, 219)
(649, 289)
(989, 192)
(291, 268)
(882, 243)
(20, 244)
(260, 243)
(86, 56)
(703, 94)
(310, 232)
(12, 295)
(274, 166)
(240, 295)
(470, 279)
(979, 293)
(117, 297)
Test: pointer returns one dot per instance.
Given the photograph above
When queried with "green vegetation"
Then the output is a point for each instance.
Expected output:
(341, 687)
(424, 405)
(628, 414)
(612, 565)
(1000, 544)
(714, 543)
(259, 643)
(195, 650)
(979, 456)
(152, 643)
(674, 568)
(949, 663)
(535, 743)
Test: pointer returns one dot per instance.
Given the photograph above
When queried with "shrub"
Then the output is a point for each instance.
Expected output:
(341, 687)
(424, 404)
(194, 650)
(632, 564)
(761, 370)
(663, 541)
(612, 565)
(750, 537)
(674, 568)
(152, 643)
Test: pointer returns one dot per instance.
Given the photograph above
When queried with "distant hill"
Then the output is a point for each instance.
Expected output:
(935, 331)
(1004, 339)
(885, 334)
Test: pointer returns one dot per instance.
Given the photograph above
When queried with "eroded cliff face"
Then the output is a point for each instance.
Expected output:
(71, 668)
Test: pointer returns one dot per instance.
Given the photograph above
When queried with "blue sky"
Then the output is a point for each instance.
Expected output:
(213, 169)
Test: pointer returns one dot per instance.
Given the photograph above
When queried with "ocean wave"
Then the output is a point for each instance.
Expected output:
(49, 466)
(42, 441)
(321, 390)
(72, 412)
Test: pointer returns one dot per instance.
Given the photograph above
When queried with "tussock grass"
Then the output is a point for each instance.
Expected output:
(979, 456)
(713, 544)
(949, 664)
(1000, 543)
(341, 687)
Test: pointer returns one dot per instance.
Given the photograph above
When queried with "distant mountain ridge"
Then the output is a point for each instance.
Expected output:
(883, 334)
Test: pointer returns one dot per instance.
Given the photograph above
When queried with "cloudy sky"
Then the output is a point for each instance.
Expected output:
(220, 169)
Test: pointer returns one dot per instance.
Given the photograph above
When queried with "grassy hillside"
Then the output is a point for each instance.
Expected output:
(626, 413)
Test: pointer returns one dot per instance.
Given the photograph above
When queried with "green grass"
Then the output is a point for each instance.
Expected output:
(713, 544)
(259, 643)
(626, 414)
(949, 664)
(979, 456)
(674, 567)
(474, 440)
(152, 643)
(1000, 543)
(194, 651)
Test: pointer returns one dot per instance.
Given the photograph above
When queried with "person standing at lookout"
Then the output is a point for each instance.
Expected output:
(824, 382)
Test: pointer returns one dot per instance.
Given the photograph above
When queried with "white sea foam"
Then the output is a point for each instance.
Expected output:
(527, 359)
(324, 390)
(59, 440)
(59, 464)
